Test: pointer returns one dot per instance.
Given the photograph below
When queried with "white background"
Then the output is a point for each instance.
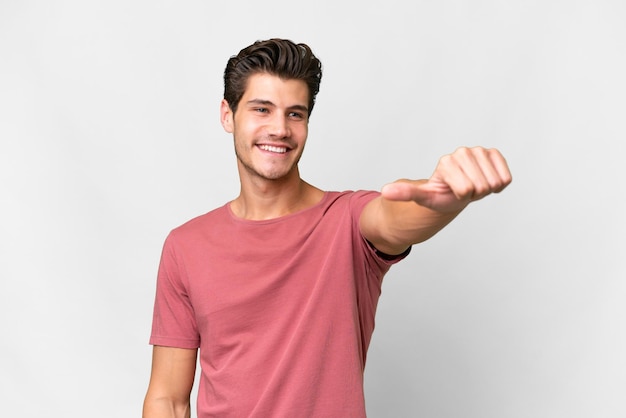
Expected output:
(110, 137)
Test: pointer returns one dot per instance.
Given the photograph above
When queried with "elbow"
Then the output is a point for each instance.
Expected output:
(165, 407)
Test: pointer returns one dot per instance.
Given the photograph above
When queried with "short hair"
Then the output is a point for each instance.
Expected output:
(279, 57)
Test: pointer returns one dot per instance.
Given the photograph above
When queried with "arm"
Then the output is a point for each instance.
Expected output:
(412, 211)
(173, 372)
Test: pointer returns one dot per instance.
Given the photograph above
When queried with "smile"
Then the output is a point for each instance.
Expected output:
(272, 148)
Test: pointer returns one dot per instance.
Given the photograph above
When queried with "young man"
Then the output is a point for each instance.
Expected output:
(278, 288)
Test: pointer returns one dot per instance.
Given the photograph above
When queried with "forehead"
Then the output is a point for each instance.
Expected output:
(266, 86)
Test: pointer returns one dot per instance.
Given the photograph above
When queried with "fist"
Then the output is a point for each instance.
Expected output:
(466, 175)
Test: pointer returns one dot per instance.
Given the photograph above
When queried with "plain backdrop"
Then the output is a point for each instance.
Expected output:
(110, 137)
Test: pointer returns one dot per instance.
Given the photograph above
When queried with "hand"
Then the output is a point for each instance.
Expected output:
(464, 176)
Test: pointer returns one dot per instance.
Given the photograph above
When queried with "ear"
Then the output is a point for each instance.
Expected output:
(226, 116)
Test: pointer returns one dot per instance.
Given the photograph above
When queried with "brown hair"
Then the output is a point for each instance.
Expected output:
(280, 57)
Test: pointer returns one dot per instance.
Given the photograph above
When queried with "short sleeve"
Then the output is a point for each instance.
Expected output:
(173, 323)
(359, 200)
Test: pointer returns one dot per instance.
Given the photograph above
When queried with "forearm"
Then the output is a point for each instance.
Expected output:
(393, 226)
(407, 223)
(171, 381)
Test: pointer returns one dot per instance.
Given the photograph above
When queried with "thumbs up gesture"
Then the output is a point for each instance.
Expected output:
(466, 175)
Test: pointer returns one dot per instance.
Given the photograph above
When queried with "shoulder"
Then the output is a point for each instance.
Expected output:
(347, 205)
(201, 224)
(350, 196)
(354, 200)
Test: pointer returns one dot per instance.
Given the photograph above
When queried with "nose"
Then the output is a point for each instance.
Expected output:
(279, 127)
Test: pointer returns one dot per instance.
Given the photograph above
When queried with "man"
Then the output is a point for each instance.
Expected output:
(278, 288)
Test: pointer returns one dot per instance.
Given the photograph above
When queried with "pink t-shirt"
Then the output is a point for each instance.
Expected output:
(282, 309)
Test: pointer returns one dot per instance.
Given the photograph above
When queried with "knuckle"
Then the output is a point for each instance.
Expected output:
(481, 190)
(465, 191)
(446, 158)
(495, 185)
(486, 152)
(445, 161)
(464, 151)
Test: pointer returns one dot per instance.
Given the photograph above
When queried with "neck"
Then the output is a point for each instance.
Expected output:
(269, 199)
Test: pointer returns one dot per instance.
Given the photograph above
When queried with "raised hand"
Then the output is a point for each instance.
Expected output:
(466, 175)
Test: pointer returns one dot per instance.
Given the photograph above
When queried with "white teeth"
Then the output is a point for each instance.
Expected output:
(272, 148)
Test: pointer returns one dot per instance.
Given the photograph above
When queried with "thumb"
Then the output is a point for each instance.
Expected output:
(406, 190)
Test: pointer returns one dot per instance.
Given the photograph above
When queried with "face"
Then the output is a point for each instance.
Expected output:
(270, 126)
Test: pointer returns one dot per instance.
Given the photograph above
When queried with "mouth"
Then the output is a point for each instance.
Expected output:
(273, 148)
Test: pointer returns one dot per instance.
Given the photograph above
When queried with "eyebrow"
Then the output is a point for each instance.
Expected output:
(263, 102)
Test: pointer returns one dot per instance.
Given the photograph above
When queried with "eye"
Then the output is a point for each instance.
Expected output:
(296, 115)
(261, 110)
